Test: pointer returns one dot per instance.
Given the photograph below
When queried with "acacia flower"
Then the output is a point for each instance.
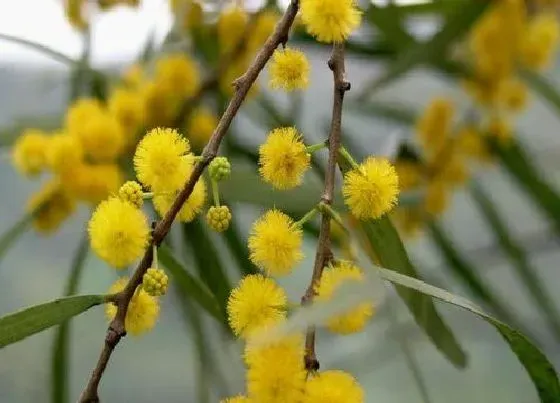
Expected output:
(356, 318)
(333, 386)
(330, 20)
(118, 232)
(371, 189)
(201, 125)
(289, 70)
(275, 243)
(50, 206)
(142, 312)
(92, 183)
(283, 158)
(64, 153)
(256, 301)
(159, 160)
(231, 27)
(190, 209)
(28, 153)
(178, 72)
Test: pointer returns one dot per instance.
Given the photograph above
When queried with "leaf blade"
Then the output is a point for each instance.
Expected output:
(19, 325)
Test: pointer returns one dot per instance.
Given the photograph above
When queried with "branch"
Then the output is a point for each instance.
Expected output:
(116, 328)
(324, 254)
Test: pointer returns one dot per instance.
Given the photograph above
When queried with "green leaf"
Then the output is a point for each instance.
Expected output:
(13, 233)
(537, 365)
(393, 113)
(518, 165)
(543, 87)
(19, 325)
(60, 353)
(463, 270)
(527, 275)
(49, 52)
(389, 22)
(189, 284)
(238, 247)
(384, 240)
(208, 262)
(457, 24)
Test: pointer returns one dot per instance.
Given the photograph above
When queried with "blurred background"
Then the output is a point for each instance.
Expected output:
(188, 357)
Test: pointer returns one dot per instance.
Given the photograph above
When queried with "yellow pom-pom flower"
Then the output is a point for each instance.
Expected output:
(232, 23)
(201, 125)
(28, 153)
(330, 20)
(540, 41)
(276, 372)
(283, 158)
(190, 209)
(255, 302)
(512, 94)
(289, 70)
(333, 386)
(81, 111)
(50, 206)
(333, 277)
(179, 73)
(500, 129)
(64, 153)
(161, 104)
(434, 125)
(132, 192)
(275, 243)
(371, 189)
(155, 282)
(92, 183)
(118, 232)
(142, 312)
(471, 144)
(128, 106)
(159, 160)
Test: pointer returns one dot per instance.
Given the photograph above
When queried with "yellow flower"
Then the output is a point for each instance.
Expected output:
(132, 192)
(118, 232)
(333, 277)
(333, 386)
(512, 94)
(283, 158)
(142, 312)
(64, 153)
(255, 302)
(433, 126)
(92, 183)
(482, 92)
(179, 73)
(371, 189)
(28, 153)
(471, 144)
(80, 111)
(454, 172)
(330, 20)
(261, 30)
(133, 76)
(436, 199)
(160, 161)
(289, 70)
(128, 106)
(409, 174)
(50, 206)
(236, 399)
(74, 12)
(275, 243)
(190, 209)
(232, 23)
(540, 41)
(161, 105)
(500, 129)
(276, 372)
(201, 125)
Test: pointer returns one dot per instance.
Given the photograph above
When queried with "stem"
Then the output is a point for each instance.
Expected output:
(243, 84)
(154, 253)
(215, 192)
(147, 195)
(346, 155)
(315, 147)
(323, 254)
(331, 212)
(307, 217)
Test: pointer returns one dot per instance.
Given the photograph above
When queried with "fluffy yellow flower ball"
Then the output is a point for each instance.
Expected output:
(283, 158)
(161, 105)
(434, 125)
(190, 209)
(118, 232)
(255, 302)
(500, 129)
(160, 161)
(201, 125)
(92, 183)
(540, 40)
(330, 20)
(232, 23)
(333, 387)
(371, 189)
(142, 312)
(512, 94)
(275, 243)
(178, 72)
(276, 372)
(128, 106)
(50, 206)
(333, 277)
(28, 153)
(64, 153)
(289, 70)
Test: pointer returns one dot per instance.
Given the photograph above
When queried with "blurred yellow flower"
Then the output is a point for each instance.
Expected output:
(289, 70)
(333, 386)
(330, 20)
(29, 152)
(50, 206)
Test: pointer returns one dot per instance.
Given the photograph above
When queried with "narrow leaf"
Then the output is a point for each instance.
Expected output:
(527, 274)
(536, 364)
(60, 353)
(13, 234)
(19, 325)
(238, 248)
(463, 270)
(188, 284)
(53, 54)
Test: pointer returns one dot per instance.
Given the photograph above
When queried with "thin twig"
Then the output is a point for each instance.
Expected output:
(243, 84)
(324, 254)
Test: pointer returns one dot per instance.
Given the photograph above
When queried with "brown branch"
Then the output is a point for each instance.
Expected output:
(116, 328)
(324, 255)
